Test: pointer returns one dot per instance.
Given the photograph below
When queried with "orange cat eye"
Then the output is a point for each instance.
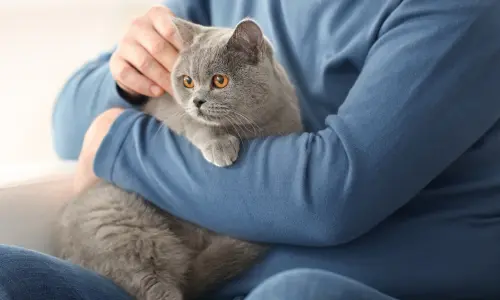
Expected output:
(220, 81)
(187, 81)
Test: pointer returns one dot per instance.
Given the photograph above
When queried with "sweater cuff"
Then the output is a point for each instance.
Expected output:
(115, 98)
(111, 145)
(135, 100)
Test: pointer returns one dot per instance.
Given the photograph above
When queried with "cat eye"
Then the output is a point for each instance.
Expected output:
(220, 81)
(187, 81)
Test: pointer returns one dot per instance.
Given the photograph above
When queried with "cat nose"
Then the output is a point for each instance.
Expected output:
(198, 102)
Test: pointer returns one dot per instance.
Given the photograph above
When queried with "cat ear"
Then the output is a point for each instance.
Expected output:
(248, 39)
(186, 30)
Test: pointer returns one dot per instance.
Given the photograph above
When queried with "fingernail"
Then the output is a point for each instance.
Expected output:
(156, 90)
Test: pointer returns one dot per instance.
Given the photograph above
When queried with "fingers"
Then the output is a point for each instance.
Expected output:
(160, 17)
(157, 47)
(131, 80)
(146, 55)
(146, 64)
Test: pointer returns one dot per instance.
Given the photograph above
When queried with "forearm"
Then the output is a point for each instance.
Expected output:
(184, 179)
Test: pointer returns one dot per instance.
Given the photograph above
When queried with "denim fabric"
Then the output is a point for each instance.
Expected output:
(26, 274)
(313, 284)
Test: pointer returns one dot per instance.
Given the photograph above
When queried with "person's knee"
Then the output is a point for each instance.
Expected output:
(313, 279)
(306, 284)
(11, 271)
(27, 274)
(15, 259)
(298, 275)
(11, 258)
(24, 272)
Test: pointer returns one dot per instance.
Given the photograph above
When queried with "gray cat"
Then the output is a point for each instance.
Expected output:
(227, 87)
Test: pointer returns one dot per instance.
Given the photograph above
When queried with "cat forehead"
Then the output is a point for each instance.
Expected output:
(208, 44)
(209, 51)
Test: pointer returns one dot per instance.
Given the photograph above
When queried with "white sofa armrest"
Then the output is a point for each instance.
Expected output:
(27, 208)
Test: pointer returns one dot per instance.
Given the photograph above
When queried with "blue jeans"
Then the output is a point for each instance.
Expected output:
(26, 274)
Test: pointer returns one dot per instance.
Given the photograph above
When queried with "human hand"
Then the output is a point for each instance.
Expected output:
(85, 176)
(144, 58)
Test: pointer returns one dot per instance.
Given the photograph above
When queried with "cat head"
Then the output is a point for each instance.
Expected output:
(224, 76)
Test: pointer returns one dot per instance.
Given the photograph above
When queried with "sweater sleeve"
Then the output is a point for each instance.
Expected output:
(428, 90)
(91, 90)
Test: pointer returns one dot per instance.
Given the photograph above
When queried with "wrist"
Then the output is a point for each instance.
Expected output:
(130, 97)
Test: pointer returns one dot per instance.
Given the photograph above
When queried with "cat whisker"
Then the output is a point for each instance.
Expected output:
(234, 127)
(183, 115)
(225, 128)
(249, 126)
(180, 114)
(158, 130)
(240, 124)
(247, 121)
(219, 106)
(250, 120)
(245, 117)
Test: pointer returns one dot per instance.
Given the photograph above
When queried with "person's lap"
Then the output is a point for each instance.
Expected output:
(26, 274)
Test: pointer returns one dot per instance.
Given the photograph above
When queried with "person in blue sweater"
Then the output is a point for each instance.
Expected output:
(392, 193)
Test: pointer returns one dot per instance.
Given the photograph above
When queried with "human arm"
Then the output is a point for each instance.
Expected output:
(92, 89)
(426, 93)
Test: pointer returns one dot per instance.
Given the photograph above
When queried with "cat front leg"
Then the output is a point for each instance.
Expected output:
(220, 149)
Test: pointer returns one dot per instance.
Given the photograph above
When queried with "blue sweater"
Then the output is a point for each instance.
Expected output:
(396, 182)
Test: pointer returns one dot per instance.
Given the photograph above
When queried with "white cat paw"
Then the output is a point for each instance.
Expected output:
(222, 151)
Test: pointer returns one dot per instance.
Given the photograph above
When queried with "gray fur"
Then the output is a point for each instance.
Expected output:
(149, 252)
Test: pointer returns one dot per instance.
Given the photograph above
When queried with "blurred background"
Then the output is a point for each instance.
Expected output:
(42, 42)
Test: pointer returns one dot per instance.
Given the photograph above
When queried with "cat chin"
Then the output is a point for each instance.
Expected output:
(206, 120)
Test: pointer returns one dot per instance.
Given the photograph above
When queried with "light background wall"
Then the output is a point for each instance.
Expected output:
(41, 43)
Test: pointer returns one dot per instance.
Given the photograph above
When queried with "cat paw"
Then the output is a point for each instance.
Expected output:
(163, 292)
(222, 151)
